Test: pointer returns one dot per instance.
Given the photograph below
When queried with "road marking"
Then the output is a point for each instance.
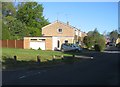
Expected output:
(112, 51)
(22, 77)
(84, 57)
(39, 72)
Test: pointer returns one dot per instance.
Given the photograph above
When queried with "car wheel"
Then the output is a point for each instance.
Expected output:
(62, 50)
(76, 50)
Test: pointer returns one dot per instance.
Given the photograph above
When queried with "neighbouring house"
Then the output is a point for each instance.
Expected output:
(107, 40)
(53, 35)
(118, 40)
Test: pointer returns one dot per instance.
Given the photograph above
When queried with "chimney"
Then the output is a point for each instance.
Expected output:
(67, 23)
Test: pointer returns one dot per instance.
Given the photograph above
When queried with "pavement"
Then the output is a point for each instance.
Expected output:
(103, 69)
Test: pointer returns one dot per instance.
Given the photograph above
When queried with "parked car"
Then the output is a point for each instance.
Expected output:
(70, 47)
(111, 44)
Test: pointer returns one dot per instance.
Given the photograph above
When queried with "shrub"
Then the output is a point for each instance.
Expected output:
(97, 47)
(39, 48)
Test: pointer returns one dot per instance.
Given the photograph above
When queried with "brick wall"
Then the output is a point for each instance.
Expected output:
(48, 44)
(26, 43)
(53, 28)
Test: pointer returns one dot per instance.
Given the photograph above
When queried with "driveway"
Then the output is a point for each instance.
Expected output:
(102, 70)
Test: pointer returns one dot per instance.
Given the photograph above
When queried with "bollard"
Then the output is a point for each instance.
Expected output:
(53, 56)
(38, 59)
(53, 59)
(62, 56)
(73, 56)
(15, 58)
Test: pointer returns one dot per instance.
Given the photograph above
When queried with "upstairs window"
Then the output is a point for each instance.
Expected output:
(60, 30)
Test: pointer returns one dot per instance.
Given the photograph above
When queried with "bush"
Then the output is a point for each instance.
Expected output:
(39, 48)
(97, 47)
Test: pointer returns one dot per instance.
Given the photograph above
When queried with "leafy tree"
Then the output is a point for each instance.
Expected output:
(31, 13)
(90, 33)
(100, 41)
(113, 35)
(94, 38)
(0, 21)
(33, 31)
(88, 41)
(16, 28)
(8, 9)
(5, 32)
(26, 19)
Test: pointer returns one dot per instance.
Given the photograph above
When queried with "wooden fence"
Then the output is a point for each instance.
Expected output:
(12, 43)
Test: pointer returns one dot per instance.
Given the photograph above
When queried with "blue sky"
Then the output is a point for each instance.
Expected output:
(84, 15)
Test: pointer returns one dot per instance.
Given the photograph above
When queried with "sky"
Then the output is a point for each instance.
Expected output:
(85, 16)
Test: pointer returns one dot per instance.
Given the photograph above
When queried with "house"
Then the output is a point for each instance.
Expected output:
(118, 40)
(53, 35)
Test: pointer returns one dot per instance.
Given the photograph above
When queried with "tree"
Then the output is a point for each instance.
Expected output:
(26, 19)
(88, 41)
(5, 32)
(113, 35)
(8, 9)
(14, 28)
(0, 21)
(94, 38)
(8, 13)
(31, 13)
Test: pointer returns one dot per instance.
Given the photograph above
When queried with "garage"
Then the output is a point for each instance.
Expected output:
(37, 44)
(45, 43)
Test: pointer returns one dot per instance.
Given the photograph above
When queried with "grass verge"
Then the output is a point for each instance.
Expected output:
(28, 58)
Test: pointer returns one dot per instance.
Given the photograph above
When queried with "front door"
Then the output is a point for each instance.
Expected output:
(58, 44)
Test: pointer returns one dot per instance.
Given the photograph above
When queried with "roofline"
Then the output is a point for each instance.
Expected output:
(62, 23)
(48, 25)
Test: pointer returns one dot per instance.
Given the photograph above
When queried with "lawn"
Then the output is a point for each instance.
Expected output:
(28, 58)
(29, 54)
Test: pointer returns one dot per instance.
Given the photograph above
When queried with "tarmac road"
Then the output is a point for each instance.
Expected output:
(102, 70)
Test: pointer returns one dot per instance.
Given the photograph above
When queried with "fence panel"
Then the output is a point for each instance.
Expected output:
(4, 43)
(19, 44)
(11, 43)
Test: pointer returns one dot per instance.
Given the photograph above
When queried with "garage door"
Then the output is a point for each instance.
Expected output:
(37, 45)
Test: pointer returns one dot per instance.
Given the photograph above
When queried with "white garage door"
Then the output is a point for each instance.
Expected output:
(37, 45)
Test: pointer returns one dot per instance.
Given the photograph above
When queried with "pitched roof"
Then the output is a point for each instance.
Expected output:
(57, 21)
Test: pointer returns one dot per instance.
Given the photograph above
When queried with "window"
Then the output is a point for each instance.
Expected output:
(33, 39)
(66, 41)
(41, 39)
(60, 30)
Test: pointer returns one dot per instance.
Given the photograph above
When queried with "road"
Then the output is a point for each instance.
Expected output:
(102, 70)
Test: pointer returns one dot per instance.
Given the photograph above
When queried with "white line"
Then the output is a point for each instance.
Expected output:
(112, 51)
(86, 57)
(22, 77)
(39, 72)
(30, 74)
